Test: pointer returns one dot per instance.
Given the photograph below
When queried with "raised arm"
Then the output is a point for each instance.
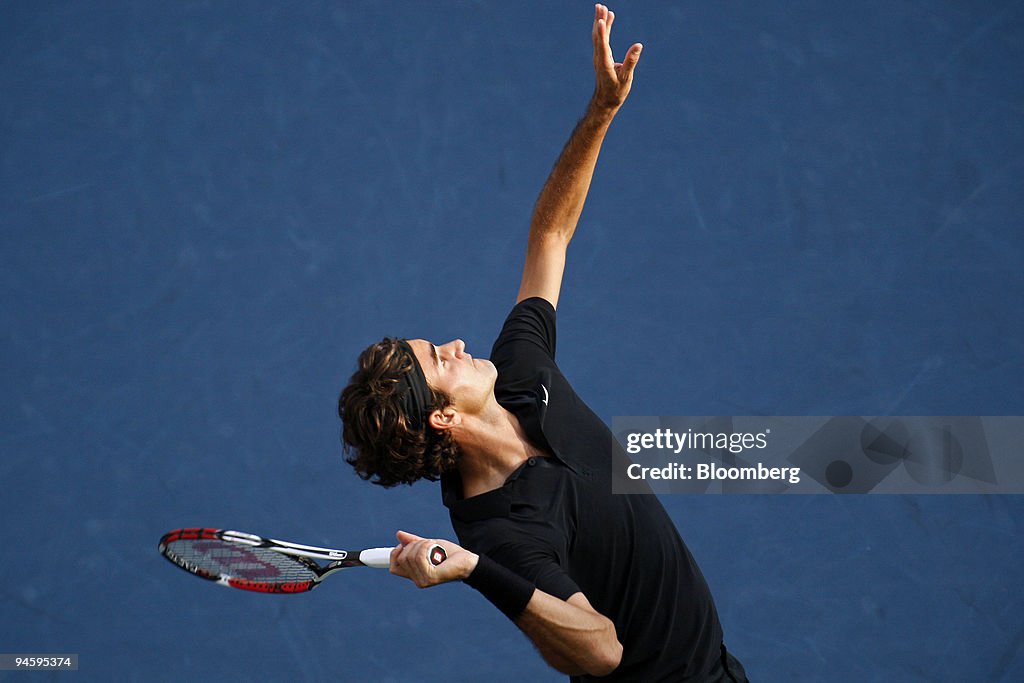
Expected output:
(561, 200)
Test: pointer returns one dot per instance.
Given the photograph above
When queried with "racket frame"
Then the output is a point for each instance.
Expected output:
(305, 554)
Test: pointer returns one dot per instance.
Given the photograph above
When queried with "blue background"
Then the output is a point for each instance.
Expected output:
(208, 209)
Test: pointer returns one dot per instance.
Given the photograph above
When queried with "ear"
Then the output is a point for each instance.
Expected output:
(442, 420)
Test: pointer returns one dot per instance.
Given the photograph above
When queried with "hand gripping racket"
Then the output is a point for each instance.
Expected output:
(254, 563)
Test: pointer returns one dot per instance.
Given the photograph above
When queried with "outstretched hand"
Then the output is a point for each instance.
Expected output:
(614, 79)
(411, 559)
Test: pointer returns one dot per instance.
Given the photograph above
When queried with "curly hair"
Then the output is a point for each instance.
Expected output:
(376, 436)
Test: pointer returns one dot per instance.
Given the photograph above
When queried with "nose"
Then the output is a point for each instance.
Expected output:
(457, 347)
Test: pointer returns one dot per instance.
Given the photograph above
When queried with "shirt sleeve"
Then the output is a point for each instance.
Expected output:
(537, 564)
(529, 329)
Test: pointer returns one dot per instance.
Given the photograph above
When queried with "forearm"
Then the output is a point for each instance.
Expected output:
(570, 634)
(571, 639)
(561, 200)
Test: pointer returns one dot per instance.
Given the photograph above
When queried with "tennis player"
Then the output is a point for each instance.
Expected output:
(602, 584)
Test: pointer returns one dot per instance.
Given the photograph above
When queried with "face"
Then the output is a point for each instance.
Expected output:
(469, 381)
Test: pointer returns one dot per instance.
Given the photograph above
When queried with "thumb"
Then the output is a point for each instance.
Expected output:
(405, 538)
(632, 57)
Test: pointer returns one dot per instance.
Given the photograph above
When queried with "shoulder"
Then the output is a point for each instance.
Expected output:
(531, 325)
(538, 509)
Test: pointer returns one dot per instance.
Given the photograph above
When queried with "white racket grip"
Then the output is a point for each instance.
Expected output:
(379, 558)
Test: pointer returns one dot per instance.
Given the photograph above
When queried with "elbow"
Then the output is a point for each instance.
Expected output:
(607, 656)
(596, 662)
(607, 661)
(598, 657)
(589, 646)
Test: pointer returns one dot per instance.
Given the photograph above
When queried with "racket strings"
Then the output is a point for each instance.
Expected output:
(223, 559)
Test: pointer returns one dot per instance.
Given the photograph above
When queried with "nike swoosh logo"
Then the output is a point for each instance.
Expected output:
(545, 399)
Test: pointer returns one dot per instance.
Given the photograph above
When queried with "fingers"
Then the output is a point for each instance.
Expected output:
(604, 19)
(409, 548)
(401, 554)
(606, 57)
(404, 557)
(404, 537)
(396, 552)
(412, 561)
(602, 49)
(409, 552)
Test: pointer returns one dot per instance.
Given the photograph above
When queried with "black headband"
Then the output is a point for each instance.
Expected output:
(417, 398)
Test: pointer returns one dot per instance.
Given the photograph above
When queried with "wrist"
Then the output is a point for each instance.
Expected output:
(472, 560)
(600, 112)
(505, 589)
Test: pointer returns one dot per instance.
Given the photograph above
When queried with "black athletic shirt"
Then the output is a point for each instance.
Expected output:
(556, 522)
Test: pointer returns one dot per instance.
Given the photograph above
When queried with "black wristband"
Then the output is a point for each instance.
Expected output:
(506, 590)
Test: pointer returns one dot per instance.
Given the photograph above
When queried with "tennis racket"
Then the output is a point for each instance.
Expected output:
(254, 563)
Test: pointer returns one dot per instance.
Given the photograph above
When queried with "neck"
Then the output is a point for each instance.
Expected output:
(492, 444)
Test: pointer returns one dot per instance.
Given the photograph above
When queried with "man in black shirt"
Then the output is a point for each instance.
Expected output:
(602, 584)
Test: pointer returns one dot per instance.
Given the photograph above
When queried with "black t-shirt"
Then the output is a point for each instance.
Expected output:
(556, 522)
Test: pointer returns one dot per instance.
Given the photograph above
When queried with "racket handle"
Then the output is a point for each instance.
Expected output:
(380, 558)
(437, 555)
